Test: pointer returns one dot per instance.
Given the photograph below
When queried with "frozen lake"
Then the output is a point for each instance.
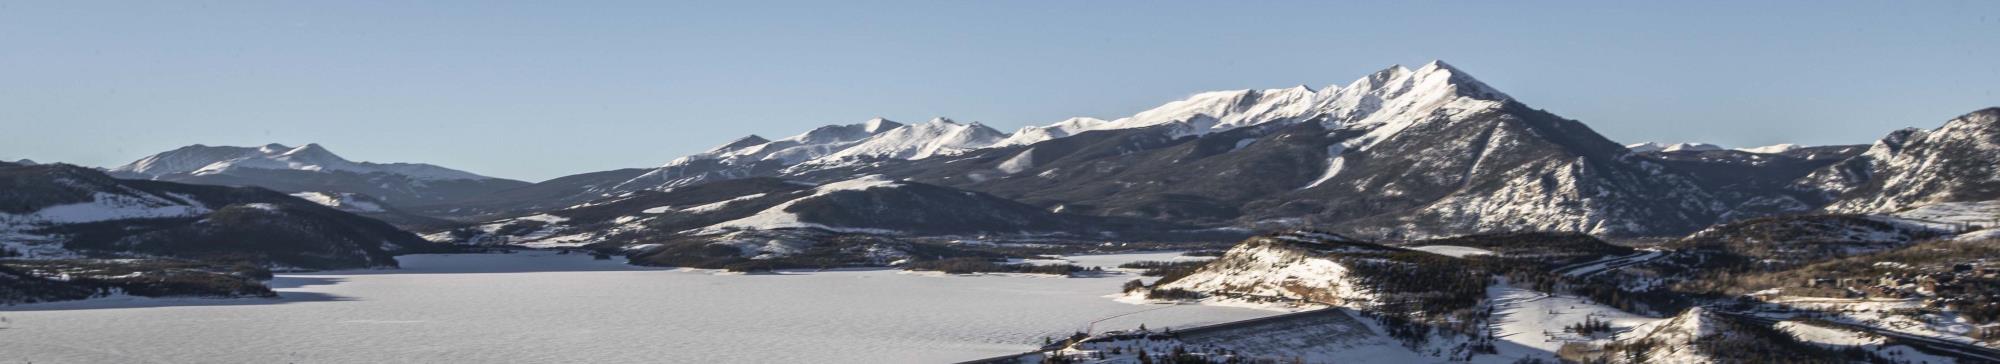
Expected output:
(540, 307)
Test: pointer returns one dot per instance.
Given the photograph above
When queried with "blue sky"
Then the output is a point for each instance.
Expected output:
(534, 90)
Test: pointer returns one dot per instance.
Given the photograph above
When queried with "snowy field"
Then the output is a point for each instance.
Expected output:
(544, 308)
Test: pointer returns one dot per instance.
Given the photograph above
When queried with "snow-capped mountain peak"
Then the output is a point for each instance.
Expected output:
(1393, 93)
(939, 136)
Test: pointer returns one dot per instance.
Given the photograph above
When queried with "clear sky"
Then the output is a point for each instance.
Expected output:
(535, 90)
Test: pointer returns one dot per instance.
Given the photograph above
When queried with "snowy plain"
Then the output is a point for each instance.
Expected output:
(538, 307)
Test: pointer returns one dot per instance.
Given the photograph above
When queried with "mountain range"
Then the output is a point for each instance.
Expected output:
(1399, 153)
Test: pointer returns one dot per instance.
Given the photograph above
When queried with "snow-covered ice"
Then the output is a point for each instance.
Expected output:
(472, 308)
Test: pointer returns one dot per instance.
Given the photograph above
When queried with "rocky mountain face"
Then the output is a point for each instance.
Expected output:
(59, 210)
(1751, 183)
(314, 169)
(1912, 167)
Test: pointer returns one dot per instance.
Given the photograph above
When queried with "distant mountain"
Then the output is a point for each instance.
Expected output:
(204, 160)
(1914, 167)
(312, 168)
(1649, 147)
(59, 210)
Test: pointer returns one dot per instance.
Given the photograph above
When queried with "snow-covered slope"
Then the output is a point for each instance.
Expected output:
(1293, 269)
(1222, 110)
(1674, 339)
(777, 217)
(1912, 168)
(1035, 134)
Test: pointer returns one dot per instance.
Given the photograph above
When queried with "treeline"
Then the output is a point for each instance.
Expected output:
(1167, 271)
(29, 281)
(982, 265)
(823, 250)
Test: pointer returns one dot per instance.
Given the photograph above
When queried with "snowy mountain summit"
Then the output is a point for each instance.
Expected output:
(206, 160)
(1391, 94)
(1652, 147)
